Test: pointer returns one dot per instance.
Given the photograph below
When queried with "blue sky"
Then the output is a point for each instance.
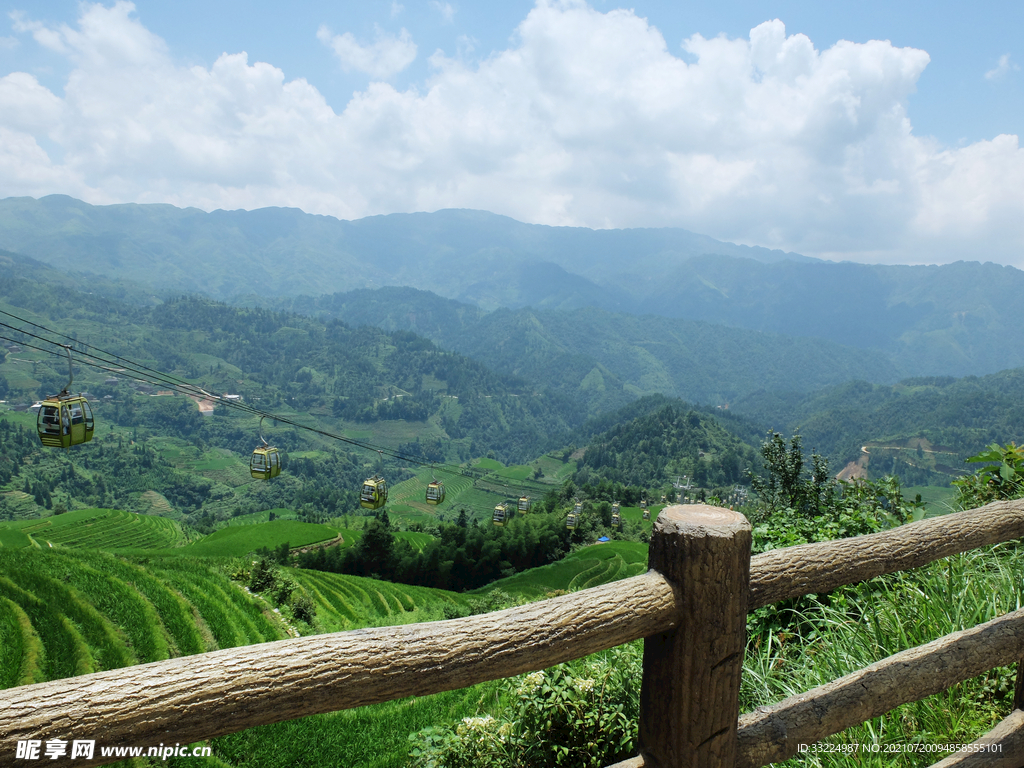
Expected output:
(954, 100)
(510, 117)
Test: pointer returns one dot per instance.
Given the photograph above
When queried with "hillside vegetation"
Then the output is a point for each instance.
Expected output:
(919, 429)
(954, 319)
(99, 529)
(606, 359)
(467, 254)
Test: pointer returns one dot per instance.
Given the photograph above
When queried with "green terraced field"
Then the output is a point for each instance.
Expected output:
(99, 529)
(241, 539)
(346, 602)
(585, 568)
(13, 538)
(280, 513)
(411, 493)
(66, 612)
(419, 541)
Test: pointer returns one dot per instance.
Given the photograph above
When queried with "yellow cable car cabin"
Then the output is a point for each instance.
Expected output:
(265, 462)
(435, 492)
(616, 519)
(374, 494)
(500, 514)
(524, 504)
(616, 508)
(571, 521)
(647, 514)
(64, 420)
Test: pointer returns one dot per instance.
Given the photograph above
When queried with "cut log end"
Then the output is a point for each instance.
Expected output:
(679, 517)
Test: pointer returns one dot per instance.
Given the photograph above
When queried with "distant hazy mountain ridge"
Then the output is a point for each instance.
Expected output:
(958, 319)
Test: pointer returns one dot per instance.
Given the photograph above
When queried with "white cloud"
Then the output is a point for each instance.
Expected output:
(385, 57)
(396, 8)
(445, 9)
(1003, 68)
(588, 119)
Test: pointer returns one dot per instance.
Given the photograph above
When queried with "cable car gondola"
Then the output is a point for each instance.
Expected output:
(374, 494)
(64, 419)
(500, 514)
(616, 519)
(435, 492)
(265, 461)
(647, 514)
(573, 519)
(524, 504)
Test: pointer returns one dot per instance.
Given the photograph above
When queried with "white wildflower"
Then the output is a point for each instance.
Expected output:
(530, 683)
(583, 685)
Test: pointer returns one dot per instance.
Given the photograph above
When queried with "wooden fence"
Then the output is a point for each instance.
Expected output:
(691, 608)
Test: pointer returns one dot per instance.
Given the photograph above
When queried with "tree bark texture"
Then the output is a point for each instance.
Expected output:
(198, 697)
(689, 700)
(771, 734)
(816, 568)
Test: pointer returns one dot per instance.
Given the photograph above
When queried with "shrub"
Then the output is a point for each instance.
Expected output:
(583, 713)
(263, 575)
(1002, 479)
(303, 608)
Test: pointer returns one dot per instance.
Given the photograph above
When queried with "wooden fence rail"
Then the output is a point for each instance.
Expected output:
(691, 610)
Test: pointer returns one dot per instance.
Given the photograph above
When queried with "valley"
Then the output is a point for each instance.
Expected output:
(592, 402)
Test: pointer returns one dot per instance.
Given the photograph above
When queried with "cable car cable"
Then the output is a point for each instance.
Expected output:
(131, 366)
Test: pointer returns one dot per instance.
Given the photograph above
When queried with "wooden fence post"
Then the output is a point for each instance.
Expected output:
(689, 702)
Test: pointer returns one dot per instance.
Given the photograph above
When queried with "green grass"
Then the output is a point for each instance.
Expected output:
(119, 603)
(367, 737)
(210, 598)
(65, 612)
(883, 617)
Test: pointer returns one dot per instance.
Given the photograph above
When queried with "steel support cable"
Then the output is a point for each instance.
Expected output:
(196, 391)
(147, 374)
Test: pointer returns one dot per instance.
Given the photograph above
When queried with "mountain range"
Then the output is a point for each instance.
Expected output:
(957, 319)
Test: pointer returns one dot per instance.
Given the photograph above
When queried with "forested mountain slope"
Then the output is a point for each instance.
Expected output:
(674, 441)
(472, 255)
(931, 320)
(604, 358)
(926, 424)
(360, 375)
